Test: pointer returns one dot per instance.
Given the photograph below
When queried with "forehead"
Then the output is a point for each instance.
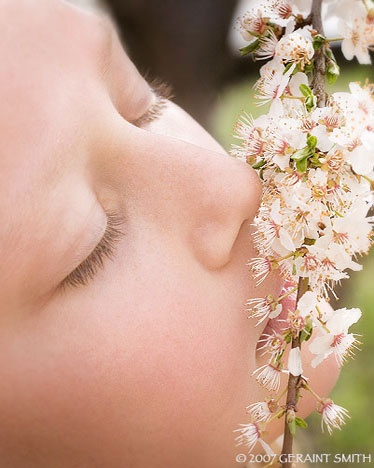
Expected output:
(46, 53)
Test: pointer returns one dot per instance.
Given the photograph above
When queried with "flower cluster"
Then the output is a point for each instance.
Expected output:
(264, 25)
(317, 168)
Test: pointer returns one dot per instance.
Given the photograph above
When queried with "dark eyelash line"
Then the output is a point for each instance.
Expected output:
(163, 93)
(86, 271)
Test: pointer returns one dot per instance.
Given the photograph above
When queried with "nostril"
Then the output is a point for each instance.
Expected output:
(212, 244)
(221, 220)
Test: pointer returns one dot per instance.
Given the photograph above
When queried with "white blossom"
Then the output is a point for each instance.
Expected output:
(295, 48)
(263, 308)
(337, 341)
(333, 416)
(260, 411)
(358, 36)
(268, 376)
(250, 434)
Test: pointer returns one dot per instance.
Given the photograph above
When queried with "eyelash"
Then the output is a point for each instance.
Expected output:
(163, 93)
(95, 261)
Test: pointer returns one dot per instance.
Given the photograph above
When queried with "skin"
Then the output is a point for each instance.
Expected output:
(149, 363)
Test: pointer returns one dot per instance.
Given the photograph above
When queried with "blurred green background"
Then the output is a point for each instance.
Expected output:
(355, 387)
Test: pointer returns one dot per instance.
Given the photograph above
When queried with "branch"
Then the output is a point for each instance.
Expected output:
(318, 82)
(318, 85)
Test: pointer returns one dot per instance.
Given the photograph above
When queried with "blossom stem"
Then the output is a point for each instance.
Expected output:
(334, 39)
(285, 257)
(366, 5)
(276, 415)
(307, 387)
(371, 182)
(287, 294)
(320, 319)
(286, 96)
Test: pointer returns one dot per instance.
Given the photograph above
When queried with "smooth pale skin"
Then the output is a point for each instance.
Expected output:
(149, 364)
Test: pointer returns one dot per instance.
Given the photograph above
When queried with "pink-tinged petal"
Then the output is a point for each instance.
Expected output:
(342, 319)
(361, 160)
(307, 303)
(321, 344)
(348, 49)
(323, 141)
(295, 82)
(276, 312)
(286, 240)
(318, 359)
(363, 56)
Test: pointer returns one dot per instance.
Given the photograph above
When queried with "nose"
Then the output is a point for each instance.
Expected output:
(197, 196)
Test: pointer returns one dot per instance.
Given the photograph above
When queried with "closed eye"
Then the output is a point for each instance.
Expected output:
(86, 271)
(163, 93)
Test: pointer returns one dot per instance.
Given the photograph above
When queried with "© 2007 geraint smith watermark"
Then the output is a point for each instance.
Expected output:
(310, 458)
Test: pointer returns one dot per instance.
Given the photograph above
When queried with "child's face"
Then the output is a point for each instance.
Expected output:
(149, 362)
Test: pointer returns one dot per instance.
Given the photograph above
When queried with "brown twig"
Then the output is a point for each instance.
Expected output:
(318, 85)
(293, 387)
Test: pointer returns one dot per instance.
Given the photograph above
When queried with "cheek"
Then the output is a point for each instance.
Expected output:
(165, 358)
(149, 364)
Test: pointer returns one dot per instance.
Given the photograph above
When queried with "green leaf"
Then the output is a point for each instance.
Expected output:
(308, 337)
(301, 154)
(310, 98)
(329, 54)
(259, 164)
(250, 47)
(287, 67)
(301, 422)
(292, 426)
(318, 41)
(288, 337)
(312, 142)
(302, 165)
(306, 334)
(332, 72)
(303, 336)
(314, 160)
(305, 90)
(293, 271)
(310, 103)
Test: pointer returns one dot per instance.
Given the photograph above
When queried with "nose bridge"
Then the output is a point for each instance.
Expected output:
(215, 184)
(200, 195)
